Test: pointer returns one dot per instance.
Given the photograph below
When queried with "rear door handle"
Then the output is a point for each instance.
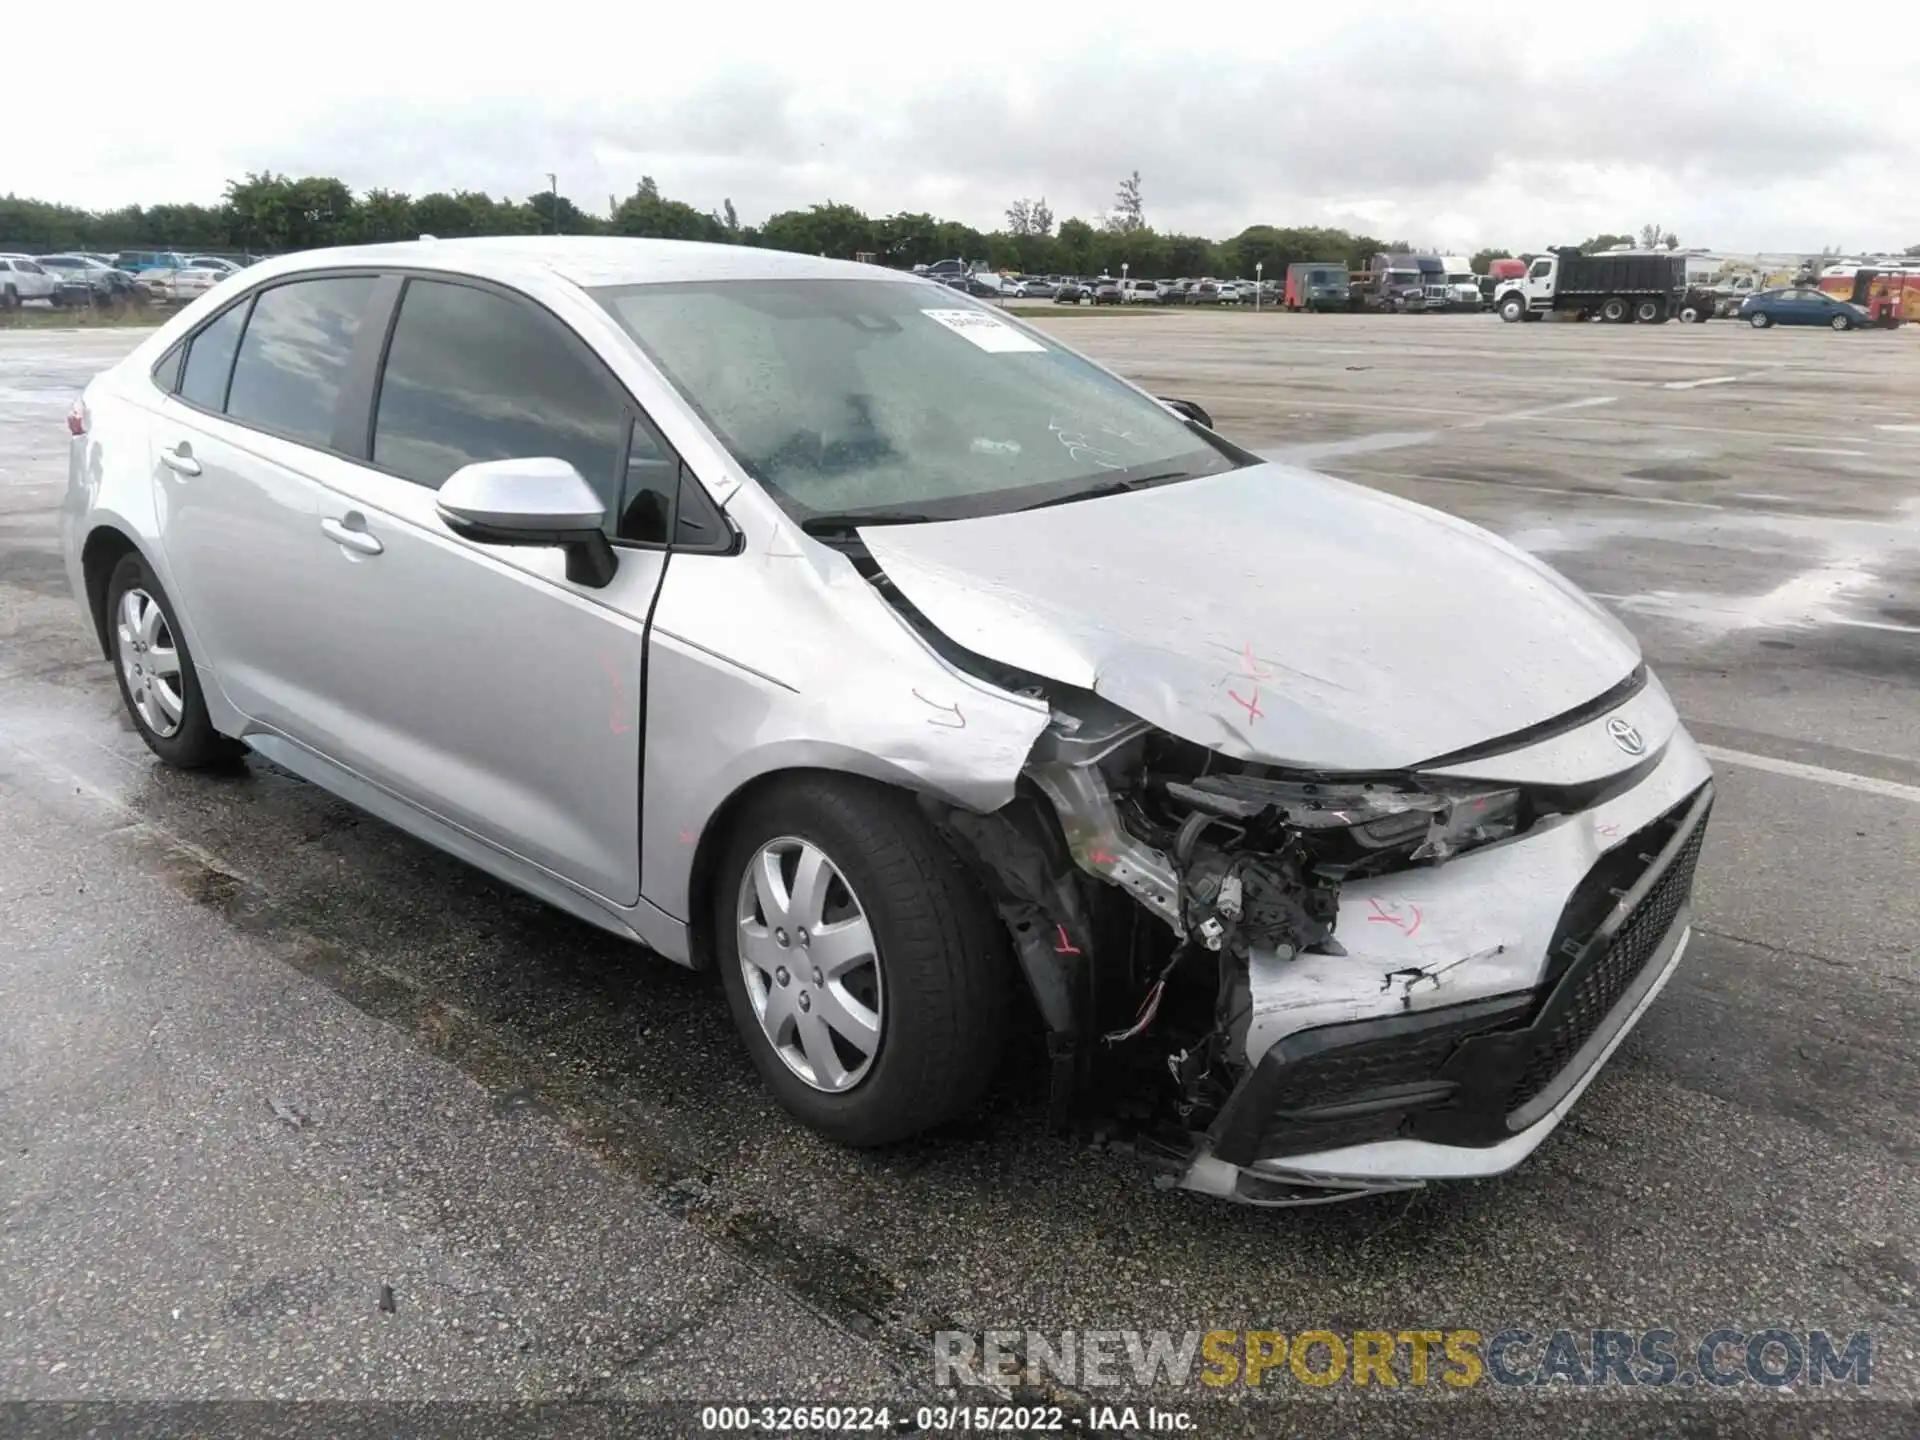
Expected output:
(179, 458)
(356, 540)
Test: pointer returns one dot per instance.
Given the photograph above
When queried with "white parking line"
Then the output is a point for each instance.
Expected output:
(1820, 774)
(1904, 429)
(1696, 384)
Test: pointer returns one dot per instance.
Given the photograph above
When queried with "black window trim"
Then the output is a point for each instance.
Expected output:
(731, 541)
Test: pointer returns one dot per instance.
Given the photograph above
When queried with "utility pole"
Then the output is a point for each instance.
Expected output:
(553, 185)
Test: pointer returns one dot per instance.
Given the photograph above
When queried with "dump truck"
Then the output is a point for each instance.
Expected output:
(1647, 286)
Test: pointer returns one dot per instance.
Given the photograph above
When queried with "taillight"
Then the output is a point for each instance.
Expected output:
(77, 418)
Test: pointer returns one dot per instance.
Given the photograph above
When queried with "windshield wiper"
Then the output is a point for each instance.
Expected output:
(1111, 487)
(826, 525)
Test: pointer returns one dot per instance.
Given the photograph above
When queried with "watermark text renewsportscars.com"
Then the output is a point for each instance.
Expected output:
(1093, 1360)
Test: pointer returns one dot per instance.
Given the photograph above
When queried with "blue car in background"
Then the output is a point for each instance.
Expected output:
(1800, 305)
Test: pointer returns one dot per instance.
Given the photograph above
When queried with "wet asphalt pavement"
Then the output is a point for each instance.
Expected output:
(262, 1056)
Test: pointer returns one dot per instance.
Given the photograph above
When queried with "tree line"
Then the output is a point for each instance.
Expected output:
(269, 214)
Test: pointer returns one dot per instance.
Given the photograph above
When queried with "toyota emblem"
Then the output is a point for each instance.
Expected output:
(1626, 736)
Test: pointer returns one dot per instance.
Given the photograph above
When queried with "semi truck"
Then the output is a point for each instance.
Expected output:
(1649, 287)
(1405, 282)
(1463, 286)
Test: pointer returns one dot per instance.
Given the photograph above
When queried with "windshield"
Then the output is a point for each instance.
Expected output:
(852, 397)
(1403, 277)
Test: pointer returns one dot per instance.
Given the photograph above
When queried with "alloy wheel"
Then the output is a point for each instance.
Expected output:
(811, 967)
(150, 663)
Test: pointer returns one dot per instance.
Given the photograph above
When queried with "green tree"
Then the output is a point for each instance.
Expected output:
(1075, 247)
(387, 215)
(1482, 261)
(839, 232)
(1603, 242)
(1129, 208)
(646, 212)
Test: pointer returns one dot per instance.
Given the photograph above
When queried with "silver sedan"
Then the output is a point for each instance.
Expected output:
(823, 626)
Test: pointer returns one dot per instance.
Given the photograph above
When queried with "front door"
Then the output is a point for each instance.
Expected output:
(477, 681)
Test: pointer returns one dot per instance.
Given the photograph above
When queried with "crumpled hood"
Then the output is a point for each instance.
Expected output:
(1270, 613)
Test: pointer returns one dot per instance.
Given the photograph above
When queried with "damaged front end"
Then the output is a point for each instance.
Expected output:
(1310, 987)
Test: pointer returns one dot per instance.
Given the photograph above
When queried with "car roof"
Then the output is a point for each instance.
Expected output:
(587, 260)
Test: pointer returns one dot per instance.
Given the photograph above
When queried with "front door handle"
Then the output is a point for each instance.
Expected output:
(358, 541)
(179, 458)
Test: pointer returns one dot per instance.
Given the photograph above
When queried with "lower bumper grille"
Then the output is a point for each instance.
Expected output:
(1458, 1075)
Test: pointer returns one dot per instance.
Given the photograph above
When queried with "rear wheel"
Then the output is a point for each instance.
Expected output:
(1760, 320)
(1613, 310)
(864, 967)
(9, 299)
(156, 674)
(1649, 312)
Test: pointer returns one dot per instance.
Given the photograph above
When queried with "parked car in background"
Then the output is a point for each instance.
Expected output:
(1140, 292)
(187, 283)
(1107, 291)
(1204, 291)
(77, 281)
(1232, 292)
(1801, 305)
(1069, 292)
(1034, 287)
(1170, 292)
(218, 263)
(22, 278)
(142, 262)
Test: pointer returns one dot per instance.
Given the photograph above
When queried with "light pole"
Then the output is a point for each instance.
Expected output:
(1123, 282)
(1259, 269)
(553, 188)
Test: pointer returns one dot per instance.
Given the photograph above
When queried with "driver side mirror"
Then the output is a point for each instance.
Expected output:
(1189, 409)
(542, 501)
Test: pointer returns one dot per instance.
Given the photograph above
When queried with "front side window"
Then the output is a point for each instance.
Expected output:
(210, 360)
(473, 375)
(1540, 270)
(293, 356)
(851, 398)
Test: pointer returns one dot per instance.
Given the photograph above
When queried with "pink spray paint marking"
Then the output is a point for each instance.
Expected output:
(1390, 915)
(618, 723)
(1098, 856)
(1254, 712)
(1066, 946)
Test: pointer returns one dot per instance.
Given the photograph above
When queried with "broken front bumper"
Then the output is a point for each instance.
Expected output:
(1477, 1001)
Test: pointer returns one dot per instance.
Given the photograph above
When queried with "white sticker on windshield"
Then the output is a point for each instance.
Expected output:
(989, 333)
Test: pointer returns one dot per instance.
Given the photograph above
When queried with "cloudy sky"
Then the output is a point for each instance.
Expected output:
(1498, 124)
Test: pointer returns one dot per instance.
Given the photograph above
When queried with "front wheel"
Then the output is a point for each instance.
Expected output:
(1841, 322)
(1760, 320)
(1513, 309)
(1691, 314)
(863, 965)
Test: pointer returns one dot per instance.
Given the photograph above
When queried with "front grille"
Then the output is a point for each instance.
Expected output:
(1599, 987)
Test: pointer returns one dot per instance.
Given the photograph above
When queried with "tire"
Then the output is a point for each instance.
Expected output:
(1691, 314)
(192, 743)
(10, 299)
(1760, 320)
(1649, 312)
(1513, 309)
(1841, 322)
(938, 975)
(1613, 310)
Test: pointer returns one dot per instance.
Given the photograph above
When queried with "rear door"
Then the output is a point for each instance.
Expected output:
(236, 453)
(478, 682)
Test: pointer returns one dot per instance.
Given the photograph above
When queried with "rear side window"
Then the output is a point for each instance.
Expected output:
(210, 361)
(473, 375)
(294, 356)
